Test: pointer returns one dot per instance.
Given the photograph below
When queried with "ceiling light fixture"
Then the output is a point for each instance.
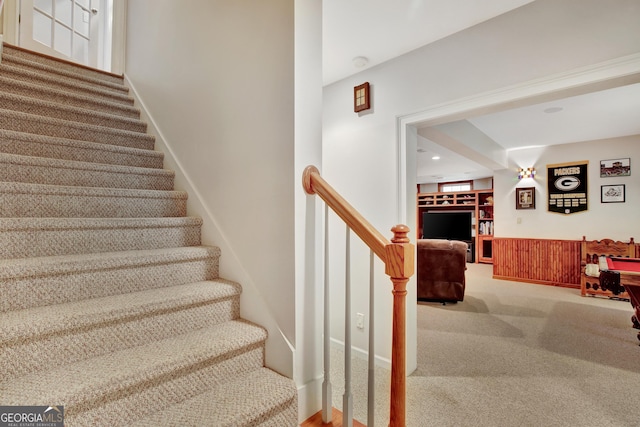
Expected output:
(360, 61)
(435, 158)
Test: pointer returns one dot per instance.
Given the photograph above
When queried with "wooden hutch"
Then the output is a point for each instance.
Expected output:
(478, 202)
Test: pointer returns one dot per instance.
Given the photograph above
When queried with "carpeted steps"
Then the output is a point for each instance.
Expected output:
(41, 170)
(43, 125)
(45, 93)
(54, 81)
(84, 151)
(41, 200)
(37, 237)
(66, 112)
(110, 305)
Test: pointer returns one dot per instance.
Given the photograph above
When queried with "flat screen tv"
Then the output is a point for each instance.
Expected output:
(447, 225)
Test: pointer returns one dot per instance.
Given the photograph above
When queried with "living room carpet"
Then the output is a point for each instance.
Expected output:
(514, 354)
(111, 306)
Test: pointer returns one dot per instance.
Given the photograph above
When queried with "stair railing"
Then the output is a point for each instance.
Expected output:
(398, 258)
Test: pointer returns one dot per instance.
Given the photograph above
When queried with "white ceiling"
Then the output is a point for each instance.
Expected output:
(381, 30)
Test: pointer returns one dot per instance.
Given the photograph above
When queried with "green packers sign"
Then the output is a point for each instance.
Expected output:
(567, 187)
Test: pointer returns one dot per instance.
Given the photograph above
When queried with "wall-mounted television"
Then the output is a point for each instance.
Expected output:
(447, 225)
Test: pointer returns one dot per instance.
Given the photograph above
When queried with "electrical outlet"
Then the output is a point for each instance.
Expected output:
(360, 321)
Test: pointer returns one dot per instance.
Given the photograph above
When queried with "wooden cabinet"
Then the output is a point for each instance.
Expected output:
(478, 202)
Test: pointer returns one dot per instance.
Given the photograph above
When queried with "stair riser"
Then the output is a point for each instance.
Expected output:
(70, 113)
(74, 345)
(16, 87)
(53, 288)
(88, 206)
(37, 243)
(63, 75)
(31, 172)
(68, 85)
(28, 123)
(29, 56)
(56, 148)
(153, 397)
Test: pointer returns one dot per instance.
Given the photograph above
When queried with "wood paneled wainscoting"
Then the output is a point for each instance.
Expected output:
(545, 261)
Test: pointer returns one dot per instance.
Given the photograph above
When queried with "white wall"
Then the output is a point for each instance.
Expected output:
(618, 221)
(217, 78)
(361, 153)
(308, 211)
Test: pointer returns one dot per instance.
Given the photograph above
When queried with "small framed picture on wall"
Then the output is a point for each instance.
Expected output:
(612, 193)
(526, 198)
(615, 167)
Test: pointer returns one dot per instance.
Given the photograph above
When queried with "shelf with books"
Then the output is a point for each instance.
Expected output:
(478, 202)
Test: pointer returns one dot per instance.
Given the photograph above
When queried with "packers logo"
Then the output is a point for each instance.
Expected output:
(567, 183)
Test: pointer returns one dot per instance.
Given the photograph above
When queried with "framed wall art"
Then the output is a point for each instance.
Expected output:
(526, 198)
(615, 167)
(361, 98)
(567, 187)
(612, 193)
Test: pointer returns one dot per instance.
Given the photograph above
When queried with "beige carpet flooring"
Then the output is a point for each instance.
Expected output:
(514, 354)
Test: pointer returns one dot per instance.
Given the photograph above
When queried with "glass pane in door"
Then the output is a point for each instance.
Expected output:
(80, 49)
(42, 28)
(81, 21)
(63, 11)
(62, 39)
(45, 6)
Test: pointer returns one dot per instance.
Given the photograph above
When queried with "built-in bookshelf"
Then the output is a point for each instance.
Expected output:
(478, 202)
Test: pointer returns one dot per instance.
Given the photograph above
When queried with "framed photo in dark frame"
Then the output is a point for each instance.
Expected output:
(612, 193)
(526, 198)
(615, 167)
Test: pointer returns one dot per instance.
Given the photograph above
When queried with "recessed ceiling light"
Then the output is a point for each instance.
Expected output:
(435, 158)
(551, 110)
(360, 61)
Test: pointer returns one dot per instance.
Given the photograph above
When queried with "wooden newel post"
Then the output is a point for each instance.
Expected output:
(399, 267)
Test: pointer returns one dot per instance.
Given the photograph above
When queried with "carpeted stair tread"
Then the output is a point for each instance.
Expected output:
(23, 88)
(19, 199)
(66, 112)
(26, 75)
(29, 144)
(33, 323)
(85, 384)
(66, 333)
(40, 281)
(252, 399)
(33, 123)
(61, 73)
(18, 52)
(41, 237)
(67, 264)
(40, 170)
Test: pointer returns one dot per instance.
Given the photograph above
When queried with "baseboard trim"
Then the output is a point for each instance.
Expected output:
(363, 354)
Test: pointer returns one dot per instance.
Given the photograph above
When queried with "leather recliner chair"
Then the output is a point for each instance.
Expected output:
(441, 266)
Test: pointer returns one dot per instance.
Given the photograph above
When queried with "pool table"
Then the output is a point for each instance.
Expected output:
(629, 269)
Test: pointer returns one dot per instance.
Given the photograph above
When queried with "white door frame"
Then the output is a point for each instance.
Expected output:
(11, 14)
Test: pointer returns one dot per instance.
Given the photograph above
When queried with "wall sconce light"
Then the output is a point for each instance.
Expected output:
(526, 173)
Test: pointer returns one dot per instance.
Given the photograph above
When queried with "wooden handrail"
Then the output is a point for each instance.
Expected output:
(314, 184)
(398, 258)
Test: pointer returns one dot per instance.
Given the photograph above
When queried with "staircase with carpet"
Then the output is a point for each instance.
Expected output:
(109, 303)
